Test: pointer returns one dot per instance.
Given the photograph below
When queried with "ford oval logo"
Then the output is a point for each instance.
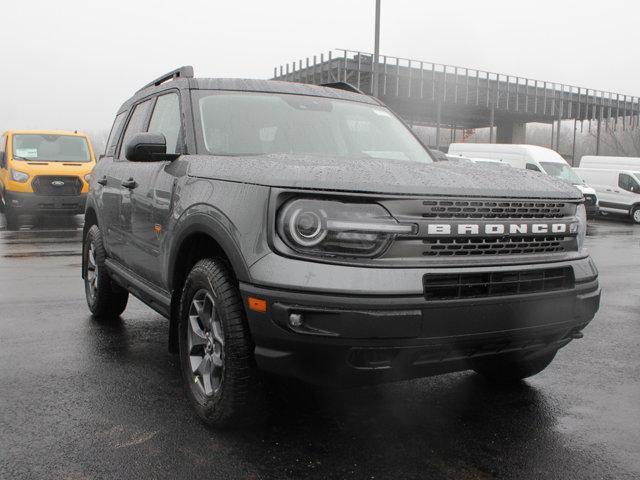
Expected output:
(57, 183)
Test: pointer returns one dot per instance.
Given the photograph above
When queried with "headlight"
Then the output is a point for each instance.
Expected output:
(331, 228)
(581, 215)
(18, 176)
(87, 177)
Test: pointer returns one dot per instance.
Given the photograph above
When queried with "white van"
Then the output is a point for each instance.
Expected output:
(531, 157)
(615, 163)
(490, 161)
(617, 189)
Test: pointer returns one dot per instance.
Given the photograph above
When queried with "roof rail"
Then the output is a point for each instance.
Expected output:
(343, 86)
(182, 72)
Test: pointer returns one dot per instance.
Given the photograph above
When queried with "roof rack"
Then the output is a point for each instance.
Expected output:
(343, 86)
(182, 72)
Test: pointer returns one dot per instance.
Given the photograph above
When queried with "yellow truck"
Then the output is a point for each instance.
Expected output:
(44, 172)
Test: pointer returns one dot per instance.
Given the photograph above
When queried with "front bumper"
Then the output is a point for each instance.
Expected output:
(22, 202)
(359, 339)
(592, 209)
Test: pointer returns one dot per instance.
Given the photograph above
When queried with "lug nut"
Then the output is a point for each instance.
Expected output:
(295, 320)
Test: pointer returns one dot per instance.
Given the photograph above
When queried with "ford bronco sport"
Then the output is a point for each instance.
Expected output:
(304, 231)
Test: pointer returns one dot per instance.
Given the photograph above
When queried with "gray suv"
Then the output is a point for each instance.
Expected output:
(304, 231)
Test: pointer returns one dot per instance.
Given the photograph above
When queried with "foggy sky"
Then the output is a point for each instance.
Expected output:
(69, 64)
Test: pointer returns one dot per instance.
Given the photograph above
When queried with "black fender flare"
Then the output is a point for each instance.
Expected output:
(214, 225)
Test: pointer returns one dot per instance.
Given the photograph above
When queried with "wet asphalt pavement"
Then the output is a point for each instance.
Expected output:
(82, 400)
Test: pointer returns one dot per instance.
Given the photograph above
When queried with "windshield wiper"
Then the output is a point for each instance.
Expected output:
(18, 157)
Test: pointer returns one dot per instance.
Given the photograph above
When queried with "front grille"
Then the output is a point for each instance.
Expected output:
(453, 230)
(521, 245)
(486, 284)
(494, 209)
(46, 185)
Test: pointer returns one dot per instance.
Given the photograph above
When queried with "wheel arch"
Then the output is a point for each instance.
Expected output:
(634, 207)
(203, 237)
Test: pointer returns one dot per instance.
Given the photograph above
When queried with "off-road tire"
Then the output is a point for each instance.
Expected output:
(105, 299)
(240, 397)
(503, 370)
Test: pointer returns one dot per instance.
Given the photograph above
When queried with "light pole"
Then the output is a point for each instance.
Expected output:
(376, 52)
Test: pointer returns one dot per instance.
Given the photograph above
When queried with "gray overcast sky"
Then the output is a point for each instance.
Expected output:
(70, 63)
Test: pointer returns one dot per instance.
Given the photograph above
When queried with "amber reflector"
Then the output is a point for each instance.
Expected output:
(257, 304)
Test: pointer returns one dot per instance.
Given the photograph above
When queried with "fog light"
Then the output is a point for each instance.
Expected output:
(296, 320)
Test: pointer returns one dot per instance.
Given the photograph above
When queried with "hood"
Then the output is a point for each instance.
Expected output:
(380, 176)
(585, 188)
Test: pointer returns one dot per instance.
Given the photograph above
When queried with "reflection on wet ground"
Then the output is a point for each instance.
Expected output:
(40, 236)
(84, 399)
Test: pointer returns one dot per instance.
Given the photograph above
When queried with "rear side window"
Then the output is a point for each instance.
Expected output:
(136, 124)
(166, 120)
(110, 147)
(628, 183)
(531, 166)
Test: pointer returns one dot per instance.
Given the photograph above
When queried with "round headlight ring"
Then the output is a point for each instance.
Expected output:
(316, 230)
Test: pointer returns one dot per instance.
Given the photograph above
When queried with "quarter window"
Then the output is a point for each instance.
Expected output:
(135, 125)
(531, 166)
(166, 120)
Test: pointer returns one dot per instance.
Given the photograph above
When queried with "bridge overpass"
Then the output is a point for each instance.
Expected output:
(433, 94)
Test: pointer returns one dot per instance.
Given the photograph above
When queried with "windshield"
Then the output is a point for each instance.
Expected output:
(50, 148)
(561, 171)
(240, 123)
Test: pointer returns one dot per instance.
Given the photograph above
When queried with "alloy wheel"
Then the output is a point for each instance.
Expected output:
(205, 342)
(92, 272)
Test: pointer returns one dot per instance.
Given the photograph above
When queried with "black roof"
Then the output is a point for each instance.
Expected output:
(277, 86)
(183, 78)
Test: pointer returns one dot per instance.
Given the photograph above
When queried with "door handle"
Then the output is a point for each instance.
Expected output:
(130, 184)
(103, 181)
(608, 190)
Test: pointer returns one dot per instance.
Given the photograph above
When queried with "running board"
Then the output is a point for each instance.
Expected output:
(159, 300)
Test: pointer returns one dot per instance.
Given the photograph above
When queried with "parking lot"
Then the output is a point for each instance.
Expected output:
(83, 400)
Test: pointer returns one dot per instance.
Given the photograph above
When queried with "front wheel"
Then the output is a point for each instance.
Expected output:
(635, 215)
(512, 370)
(216, 351)
(104, 298)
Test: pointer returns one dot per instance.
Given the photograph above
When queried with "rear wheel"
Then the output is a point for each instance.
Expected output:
(104, 298)
(635, 215)
(511, 370)
(216, 351)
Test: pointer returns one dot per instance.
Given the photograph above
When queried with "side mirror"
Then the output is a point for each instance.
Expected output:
(148, 147)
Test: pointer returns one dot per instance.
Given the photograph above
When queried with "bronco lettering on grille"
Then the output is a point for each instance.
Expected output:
(496, 228)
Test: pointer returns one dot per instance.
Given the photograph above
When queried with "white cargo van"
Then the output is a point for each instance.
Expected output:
(615, 163)
(618, 190)
(531, 157)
